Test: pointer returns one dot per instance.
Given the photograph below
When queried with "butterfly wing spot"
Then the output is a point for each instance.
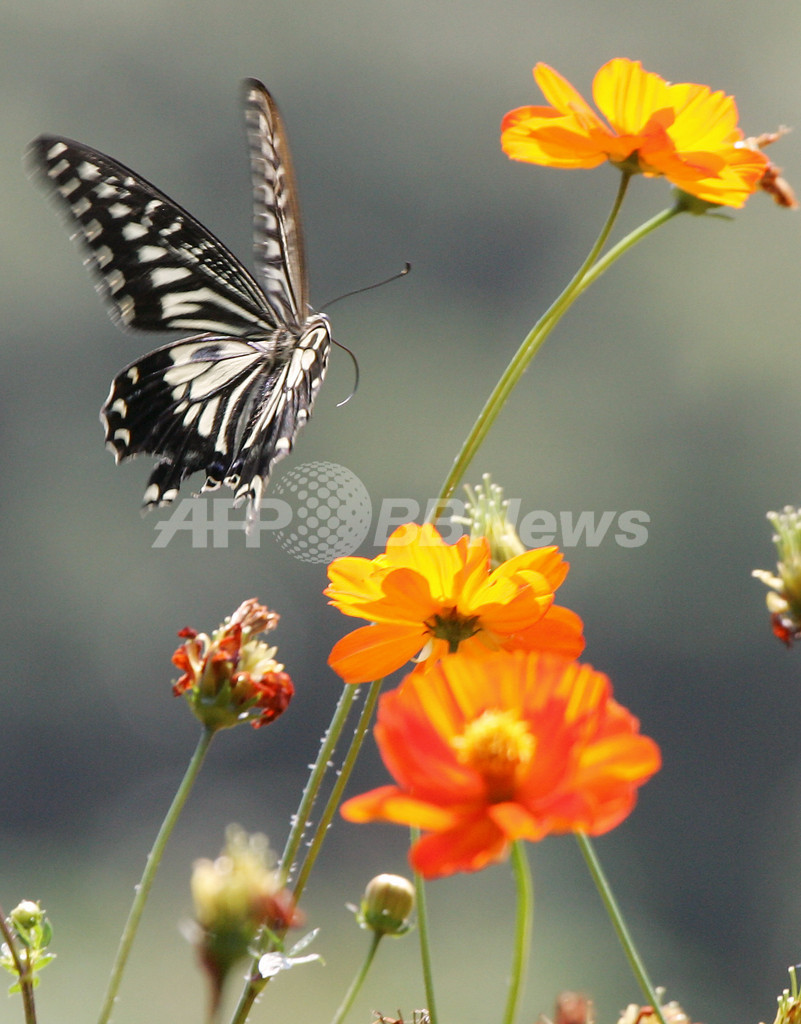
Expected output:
(104, 256)
(69, 187)
(105, 191)
(119, 407)
(117, 210)
(152, 496)
(87, 171)
(164, 275)
(230, 401)
(115, 281)
(126, 309)
(81, 206)
(132, 233)
(92, 230)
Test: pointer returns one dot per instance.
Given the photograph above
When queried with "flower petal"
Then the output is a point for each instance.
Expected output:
(470, 846)
(372, 652)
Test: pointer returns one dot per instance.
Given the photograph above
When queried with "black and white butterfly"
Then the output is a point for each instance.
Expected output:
(230, 400)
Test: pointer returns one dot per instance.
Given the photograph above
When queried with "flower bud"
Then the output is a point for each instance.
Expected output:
(789, 1009)
(31, 935)
(387, 904)
(30, 925)
(26, 915)
(574, 1008)
(784, 598)
(234, 896)
(672, 1013)
(487, 515)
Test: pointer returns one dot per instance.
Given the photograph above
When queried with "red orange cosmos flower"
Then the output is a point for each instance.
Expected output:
(684, 132)
(423, 595)
(514, 746)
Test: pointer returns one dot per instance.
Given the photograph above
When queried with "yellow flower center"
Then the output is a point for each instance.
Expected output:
(453, 628)
(498, 745)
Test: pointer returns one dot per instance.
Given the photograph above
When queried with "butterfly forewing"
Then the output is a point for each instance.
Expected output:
(277, 233)
(227, 402)
(156, 266)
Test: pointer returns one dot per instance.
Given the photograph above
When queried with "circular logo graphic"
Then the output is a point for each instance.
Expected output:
(331, 511)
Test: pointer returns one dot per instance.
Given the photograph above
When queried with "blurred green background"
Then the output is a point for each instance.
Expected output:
(672, 387)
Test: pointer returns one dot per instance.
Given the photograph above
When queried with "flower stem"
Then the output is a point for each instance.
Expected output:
(590, 270)
(149, 874)
(616, 917)
(525, 917)
(255, 983)
(22, 969)
(357, 982)
(425, 938)
(301, 818)
(343, 778)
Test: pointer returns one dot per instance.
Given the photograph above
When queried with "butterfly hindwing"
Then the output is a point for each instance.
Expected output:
(229, 401)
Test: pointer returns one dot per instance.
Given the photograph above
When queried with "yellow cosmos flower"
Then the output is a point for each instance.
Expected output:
(427, 598)
(684, 132)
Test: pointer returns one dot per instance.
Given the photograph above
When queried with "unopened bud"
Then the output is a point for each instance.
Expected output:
(387, 904)
(488, 515)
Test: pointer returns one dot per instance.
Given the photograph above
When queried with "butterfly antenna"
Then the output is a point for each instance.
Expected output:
(355, 367)
(358, 291)
(368, 288)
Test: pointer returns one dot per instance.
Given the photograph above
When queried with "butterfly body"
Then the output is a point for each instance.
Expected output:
(227, 401)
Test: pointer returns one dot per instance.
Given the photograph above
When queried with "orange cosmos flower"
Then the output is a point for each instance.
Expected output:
(423, 595)
(685, 132)
(511, 747)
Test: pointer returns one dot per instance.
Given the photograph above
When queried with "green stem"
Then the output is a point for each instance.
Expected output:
(589, 272)
(255, 983)
(525, 917)
(357, 982)
(616, 917)
(359, 734)
(149, 874)
(625, 244)
(314, 784)
(22, 969)
(425, 938)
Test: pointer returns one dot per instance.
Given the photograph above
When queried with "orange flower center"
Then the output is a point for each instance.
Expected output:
(498, 745)
(452, 627)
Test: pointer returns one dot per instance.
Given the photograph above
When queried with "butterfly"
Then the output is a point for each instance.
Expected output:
(230, 400)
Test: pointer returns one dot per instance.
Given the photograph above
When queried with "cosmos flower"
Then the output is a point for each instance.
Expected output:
(427, 598)
(514, 746)
(683, 132)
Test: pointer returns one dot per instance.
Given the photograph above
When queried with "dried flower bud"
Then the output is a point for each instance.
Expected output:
(574, 1008)
(231, 677)
(772, 181)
